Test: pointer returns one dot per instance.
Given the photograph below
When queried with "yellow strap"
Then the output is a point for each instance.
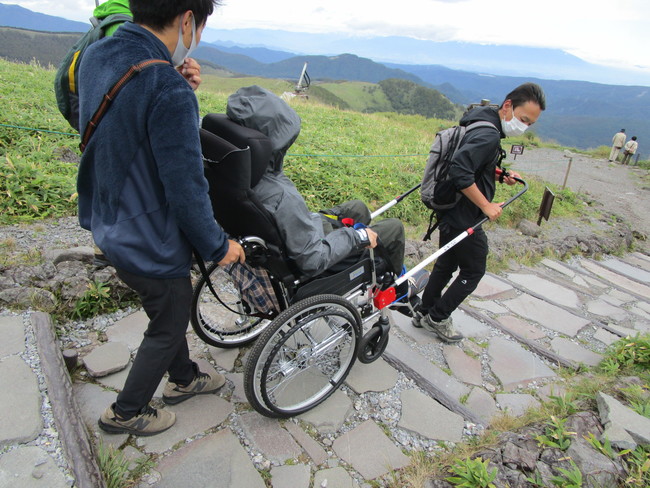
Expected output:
(72, 83)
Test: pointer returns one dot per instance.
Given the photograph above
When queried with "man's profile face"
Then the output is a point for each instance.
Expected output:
(528, 113)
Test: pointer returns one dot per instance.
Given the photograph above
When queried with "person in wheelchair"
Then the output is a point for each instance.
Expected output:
(317, 242)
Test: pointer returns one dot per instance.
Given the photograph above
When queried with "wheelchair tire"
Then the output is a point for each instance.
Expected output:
(214, 323)
(303, 356)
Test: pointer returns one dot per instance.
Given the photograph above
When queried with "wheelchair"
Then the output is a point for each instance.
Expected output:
(302, 350)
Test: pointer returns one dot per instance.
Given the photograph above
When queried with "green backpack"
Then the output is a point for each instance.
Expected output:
(65, 81)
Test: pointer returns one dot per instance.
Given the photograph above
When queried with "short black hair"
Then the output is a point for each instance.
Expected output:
(528, 92)
(634, 138)
(159, 14)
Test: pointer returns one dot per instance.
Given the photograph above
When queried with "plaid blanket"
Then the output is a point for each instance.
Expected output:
(255, 287)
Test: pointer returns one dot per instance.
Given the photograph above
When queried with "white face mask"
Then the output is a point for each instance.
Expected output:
(514, 126)
(181, 52)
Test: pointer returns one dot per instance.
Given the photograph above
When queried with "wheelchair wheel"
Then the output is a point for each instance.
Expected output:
(303, 356)
(213, 322)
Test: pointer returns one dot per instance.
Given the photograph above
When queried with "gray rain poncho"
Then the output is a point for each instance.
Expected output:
(302, 231)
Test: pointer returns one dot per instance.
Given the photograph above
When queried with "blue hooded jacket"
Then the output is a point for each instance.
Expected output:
(141, 186)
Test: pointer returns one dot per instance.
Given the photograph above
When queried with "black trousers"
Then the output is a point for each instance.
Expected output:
(470, 255)
(164, 347)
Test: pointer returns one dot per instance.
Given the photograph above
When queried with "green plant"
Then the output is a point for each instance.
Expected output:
(604, 447)
(639, 463)
(570, 478)
(113, 465)
(564, 404)
(642, 408)
(96, 299)
(555, 434)
(536, 479)
(630, 353)
(472, 473)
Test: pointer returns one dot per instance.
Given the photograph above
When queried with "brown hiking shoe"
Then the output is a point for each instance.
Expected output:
(148, 421)
(203, 383)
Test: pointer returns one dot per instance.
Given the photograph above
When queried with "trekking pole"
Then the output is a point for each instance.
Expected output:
(458, 238)
(394, 202)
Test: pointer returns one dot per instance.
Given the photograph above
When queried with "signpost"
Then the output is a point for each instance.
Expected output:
(517, 149)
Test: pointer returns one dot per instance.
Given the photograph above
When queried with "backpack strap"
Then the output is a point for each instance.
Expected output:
(110, 96)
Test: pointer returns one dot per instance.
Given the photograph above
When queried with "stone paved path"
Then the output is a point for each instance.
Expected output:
(513, 322)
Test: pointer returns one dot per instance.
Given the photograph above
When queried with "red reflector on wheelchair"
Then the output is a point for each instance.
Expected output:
(384, 298)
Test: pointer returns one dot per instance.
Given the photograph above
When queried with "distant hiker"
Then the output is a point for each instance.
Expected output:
(629, 149)
(472, 171)
(144, 196)
(618, 141)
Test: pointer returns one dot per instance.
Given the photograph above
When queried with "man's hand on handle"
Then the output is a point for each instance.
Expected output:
(235, 253)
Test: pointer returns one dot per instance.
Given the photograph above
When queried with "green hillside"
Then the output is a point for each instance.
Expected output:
(340, 154)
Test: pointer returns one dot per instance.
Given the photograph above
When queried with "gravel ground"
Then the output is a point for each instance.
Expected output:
(621, 190)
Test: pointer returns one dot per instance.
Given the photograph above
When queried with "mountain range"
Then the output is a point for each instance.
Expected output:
(579, 113)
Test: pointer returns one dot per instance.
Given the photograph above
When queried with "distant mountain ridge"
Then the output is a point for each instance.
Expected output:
(17, 16)
(580, 114)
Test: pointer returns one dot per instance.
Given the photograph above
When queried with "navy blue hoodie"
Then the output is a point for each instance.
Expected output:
(141, 187)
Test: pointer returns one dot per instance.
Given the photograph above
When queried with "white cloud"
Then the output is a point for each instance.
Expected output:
(599, 31)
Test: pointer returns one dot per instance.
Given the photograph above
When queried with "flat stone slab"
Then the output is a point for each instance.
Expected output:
(518, 326)
(129, 330)
(481, 403)
(354, 447)
(465, 368)
(426, 369)
(376, 376)
(616, 279)
(238, 393)
(638, 259)
(574, 352)
(193, 417)
(12, 332)
(604, 309)
(560, 268)
(550, 389)
(516, 404)
(30, 467)
(514, 365)
(623, 331)
(421, 336)
(614, 412)
(488, 306)
(295, 476)
(491, 287)
(605, 337)
(20, 402)
(626, 269)
(268, 437)
(546, 314)
(333, 478)
(552, 292)
(225, 358)
(468, 325)
(107, 358)
(313, 449)
(330, 415)
(92, 401)
(438, 423)
(217, 461)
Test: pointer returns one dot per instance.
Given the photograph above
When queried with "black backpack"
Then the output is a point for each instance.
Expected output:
(437, 192)
(65, 81)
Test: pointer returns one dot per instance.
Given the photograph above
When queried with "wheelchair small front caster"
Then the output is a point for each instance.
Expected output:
(373, 343)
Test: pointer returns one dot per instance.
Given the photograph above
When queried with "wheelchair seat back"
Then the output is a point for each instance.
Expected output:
(236, 157)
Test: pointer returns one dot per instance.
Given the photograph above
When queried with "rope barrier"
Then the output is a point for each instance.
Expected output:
(39, 130)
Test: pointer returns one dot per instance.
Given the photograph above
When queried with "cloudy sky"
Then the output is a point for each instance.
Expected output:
(609, 32)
